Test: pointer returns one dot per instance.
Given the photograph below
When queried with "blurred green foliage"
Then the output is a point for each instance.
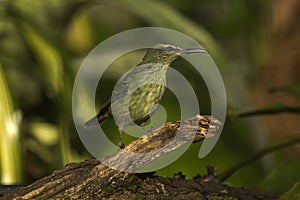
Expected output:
(9, 135)
(43, 42)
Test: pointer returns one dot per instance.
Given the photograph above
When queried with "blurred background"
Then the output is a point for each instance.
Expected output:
(255, 45)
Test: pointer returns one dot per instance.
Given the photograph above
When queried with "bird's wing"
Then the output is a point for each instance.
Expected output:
(133, 79)
(120, 90)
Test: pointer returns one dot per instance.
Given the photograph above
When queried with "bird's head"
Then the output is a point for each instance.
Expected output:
(167, 53)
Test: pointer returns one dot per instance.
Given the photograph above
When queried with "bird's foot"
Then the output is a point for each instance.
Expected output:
(121, 145)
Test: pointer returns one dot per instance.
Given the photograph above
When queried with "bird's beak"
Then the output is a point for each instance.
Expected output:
(193, 50)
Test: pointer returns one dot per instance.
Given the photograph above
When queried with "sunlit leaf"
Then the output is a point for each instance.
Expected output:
(46, 133)
(10, 145)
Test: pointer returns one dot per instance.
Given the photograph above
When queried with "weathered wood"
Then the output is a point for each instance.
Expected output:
(165, 139)
(94, 180)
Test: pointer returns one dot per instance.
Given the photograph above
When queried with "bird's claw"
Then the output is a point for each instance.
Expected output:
(121, 145)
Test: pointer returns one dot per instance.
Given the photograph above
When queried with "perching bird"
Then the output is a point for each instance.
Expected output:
(136, 96)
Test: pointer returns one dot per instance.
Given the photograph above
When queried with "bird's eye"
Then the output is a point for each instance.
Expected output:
(169, 49)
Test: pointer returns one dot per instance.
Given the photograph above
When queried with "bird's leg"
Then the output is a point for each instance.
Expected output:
(121, 145)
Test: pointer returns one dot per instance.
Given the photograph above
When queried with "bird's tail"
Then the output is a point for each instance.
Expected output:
(96, 120)
(92, 122)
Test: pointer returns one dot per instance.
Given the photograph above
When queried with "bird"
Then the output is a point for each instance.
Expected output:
(136, 96)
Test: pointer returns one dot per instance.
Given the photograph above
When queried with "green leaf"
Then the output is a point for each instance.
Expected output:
(47, 56)
(51, 62)
(10, 145)
(282, 176)
(293, 193)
